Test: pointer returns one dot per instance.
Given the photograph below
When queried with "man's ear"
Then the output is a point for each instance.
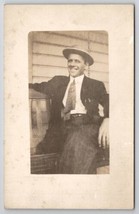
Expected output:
(86, 66)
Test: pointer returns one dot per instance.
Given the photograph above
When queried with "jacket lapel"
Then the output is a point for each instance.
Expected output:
(63, 87)
(84, 91)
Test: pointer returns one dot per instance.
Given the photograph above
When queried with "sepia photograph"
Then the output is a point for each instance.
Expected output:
(69, 106)
(69, 102)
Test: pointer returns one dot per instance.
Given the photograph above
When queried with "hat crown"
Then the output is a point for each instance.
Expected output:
(80, 51)
(76, 47)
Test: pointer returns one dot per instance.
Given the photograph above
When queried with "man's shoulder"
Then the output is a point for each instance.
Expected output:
(93, 81)
(60, 78)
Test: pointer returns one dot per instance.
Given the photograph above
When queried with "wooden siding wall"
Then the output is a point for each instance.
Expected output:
(46, 59)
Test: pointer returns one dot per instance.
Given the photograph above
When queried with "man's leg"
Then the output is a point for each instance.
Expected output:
(52, 142)
(79, 154)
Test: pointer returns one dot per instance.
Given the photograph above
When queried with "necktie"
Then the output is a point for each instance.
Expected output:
(71, 98)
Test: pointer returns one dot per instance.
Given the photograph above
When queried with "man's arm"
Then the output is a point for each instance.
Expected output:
(103, 97)
(40, 87)
(103, 137)
(44, 87)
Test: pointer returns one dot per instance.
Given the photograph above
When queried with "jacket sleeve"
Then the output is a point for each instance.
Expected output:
(104, 99)
(44, 87)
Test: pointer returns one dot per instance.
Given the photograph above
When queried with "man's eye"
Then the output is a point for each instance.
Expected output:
(77, 61)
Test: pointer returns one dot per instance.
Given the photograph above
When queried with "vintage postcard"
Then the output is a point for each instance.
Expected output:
(69, 106)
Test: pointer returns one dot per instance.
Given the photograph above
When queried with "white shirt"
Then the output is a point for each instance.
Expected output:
(79, 107)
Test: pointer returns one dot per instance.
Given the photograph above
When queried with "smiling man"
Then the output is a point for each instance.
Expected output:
(76, 129)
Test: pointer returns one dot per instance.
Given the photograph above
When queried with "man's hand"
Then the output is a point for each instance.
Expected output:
(103, 138)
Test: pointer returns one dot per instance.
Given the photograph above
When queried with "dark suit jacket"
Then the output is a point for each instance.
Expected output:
(93, 93)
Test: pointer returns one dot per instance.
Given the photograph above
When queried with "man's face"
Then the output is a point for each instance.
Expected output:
(76, 65)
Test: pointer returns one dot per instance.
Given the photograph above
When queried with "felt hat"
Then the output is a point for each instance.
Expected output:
(75, 50)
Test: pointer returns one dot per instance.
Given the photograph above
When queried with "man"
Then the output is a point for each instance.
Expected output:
(76, 129)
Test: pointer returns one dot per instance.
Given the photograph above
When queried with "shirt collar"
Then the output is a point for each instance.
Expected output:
(77, 79)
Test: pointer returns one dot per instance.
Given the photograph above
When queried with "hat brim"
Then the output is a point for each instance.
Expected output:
(88, 58)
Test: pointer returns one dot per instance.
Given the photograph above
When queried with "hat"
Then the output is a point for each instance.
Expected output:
(75, 50)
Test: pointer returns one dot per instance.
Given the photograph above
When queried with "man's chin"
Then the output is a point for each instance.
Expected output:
(73, 74)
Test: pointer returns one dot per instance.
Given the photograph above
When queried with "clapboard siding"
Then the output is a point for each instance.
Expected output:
(93, 46)
(40, 59)
(98, 48)
(99, 57)
(45, 48)
(49, 71)
(99, 76)
(48, 49)
(64, 41)
(99, 36)
(100, 67)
